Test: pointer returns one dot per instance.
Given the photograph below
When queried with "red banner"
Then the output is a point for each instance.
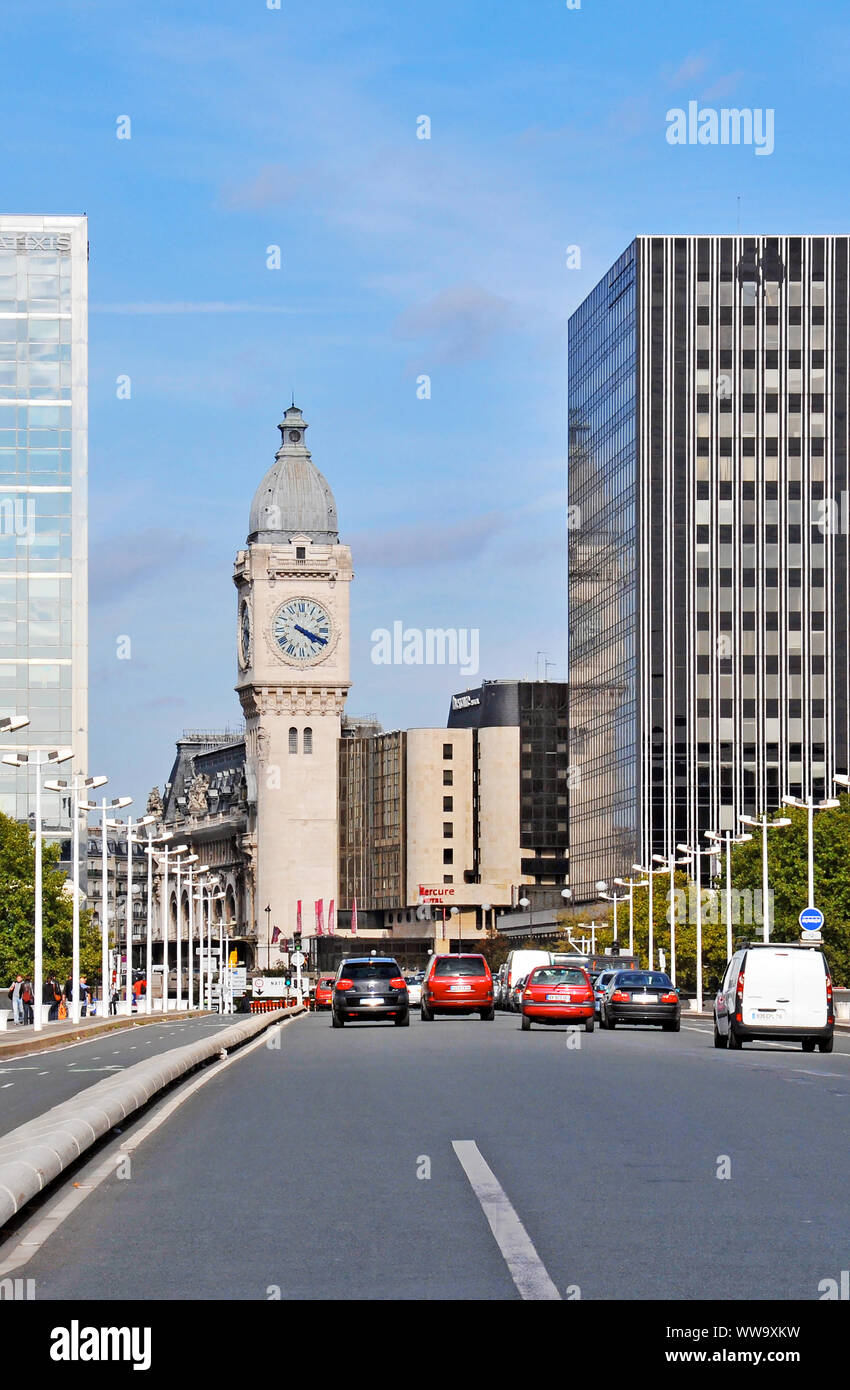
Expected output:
(354, 917)
(320, 916)
(298, 917)
(331, 918)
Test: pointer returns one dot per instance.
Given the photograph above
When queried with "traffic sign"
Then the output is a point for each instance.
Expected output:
(811, 919)
(297, 958)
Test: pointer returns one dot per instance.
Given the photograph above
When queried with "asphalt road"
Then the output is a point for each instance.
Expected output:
(31, 1085)
(296, 1170)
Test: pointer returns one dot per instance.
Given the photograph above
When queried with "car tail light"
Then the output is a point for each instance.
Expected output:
(397, 983)
(345, 984)
(669, 998)
(620, 997)
(739, 988)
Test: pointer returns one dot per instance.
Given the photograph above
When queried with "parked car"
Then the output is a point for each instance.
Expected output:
(779, 991)
(641, 996)
(499, 986)
(557, 994)
(515, 994)
(414, 989)
(369, 987)
(603, 979)
(324, 991)
(460, 984)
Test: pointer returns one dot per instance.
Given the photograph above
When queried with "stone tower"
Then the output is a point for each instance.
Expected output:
(293, 653)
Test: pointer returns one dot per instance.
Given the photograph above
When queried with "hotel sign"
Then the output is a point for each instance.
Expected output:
(465, 701)
(436, 893)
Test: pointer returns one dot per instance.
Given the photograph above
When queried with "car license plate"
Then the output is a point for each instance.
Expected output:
(559, 998)
(371, 1000)
(460, 989)
(767, 1015)
(645, 998)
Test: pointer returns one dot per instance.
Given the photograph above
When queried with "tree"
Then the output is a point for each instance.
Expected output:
(17, 907)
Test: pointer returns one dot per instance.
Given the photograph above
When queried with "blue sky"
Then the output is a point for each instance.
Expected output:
(297, 127)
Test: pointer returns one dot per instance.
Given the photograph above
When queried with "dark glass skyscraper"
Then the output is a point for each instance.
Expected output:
(708, 550)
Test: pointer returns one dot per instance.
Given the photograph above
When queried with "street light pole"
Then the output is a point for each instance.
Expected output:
(809, 805)
(113, 805)
(728, 839)
(695, 853)
(764, 824)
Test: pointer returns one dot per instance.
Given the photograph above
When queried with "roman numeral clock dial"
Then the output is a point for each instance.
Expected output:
(302, 631)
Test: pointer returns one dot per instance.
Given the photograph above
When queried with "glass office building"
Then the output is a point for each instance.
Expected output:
(709, 560)
(43, 497)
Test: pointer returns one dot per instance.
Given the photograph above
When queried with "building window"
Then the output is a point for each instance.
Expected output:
(293, 740)
(447, 750)
(448, 856)
(448, 878)
(448, 778)
(308, 740)
(448, 803)
(301, 553)
(447, 830)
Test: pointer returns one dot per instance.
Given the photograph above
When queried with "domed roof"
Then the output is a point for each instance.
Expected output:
(293, 499)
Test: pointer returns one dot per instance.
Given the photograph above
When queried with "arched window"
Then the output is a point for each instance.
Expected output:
(293, 740)
(308, 740)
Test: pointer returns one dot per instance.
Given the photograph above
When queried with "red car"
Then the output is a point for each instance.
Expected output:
(324, 991)
(558, 994)
(457, 985)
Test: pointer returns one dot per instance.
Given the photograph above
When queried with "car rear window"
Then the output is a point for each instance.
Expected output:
(370, 970)
(460, 965)
(553, 975)
(644, 977)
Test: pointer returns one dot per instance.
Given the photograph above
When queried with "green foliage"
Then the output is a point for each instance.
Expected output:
(17, 901)
(788, 877)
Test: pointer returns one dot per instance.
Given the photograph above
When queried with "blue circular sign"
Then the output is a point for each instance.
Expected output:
(811, 919)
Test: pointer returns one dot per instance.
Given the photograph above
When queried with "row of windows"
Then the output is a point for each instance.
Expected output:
(307, 745)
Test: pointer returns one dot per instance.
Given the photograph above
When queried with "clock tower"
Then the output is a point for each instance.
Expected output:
(293, 653)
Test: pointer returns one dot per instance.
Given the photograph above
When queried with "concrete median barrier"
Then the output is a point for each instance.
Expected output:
(36, 1153)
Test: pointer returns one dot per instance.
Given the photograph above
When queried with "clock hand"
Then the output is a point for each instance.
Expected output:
(314, 636)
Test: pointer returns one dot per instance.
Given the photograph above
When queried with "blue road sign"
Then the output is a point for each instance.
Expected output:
(811, 919)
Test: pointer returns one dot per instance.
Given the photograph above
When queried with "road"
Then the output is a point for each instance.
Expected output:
(30, 1085)
(296, 1169)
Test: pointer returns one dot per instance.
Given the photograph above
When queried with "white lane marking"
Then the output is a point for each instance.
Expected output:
(44, 1073)
(6, 1085)
(42, 1226)
(526, 1268)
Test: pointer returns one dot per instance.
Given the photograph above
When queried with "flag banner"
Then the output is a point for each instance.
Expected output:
(298, 917)
(320, 917)
(275, 935)
(354, 917)
(331, 918)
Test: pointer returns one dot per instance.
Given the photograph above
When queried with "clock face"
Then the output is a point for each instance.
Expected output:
(245, 634)
(303, 631)
(295, 436)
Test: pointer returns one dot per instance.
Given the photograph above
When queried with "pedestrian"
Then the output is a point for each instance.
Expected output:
(17, 1002)
(113, 998)
(85, 996)
(27, 1000)
(52, 996)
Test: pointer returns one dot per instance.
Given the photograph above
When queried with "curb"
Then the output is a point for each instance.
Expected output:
(36, 1153)
(42, 1042)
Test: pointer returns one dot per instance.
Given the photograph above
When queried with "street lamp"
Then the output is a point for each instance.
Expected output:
(809, 805)
(650, 872)
(526, 902)
(182, 862)
(117, 803)
(38, 758)
(455, 912)
(631, 884)
(728, 839)
(615, 898)
(694, 852)
(75, 786)
(201, 871)
(764, 825)
(131, 840)
(164, 914)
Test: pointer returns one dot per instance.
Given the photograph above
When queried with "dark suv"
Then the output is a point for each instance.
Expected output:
(370, 987)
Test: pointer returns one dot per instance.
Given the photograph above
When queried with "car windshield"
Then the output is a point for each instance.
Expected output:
(460, 965)
(370, 970)
(644, 977)
(556, 975)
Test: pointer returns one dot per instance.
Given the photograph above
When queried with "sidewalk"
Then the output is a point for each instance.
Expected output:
(22, 1039)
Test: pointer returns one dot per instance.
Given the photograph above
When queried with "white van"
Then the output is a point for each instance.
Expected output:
(780, 991)
(519, 964)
